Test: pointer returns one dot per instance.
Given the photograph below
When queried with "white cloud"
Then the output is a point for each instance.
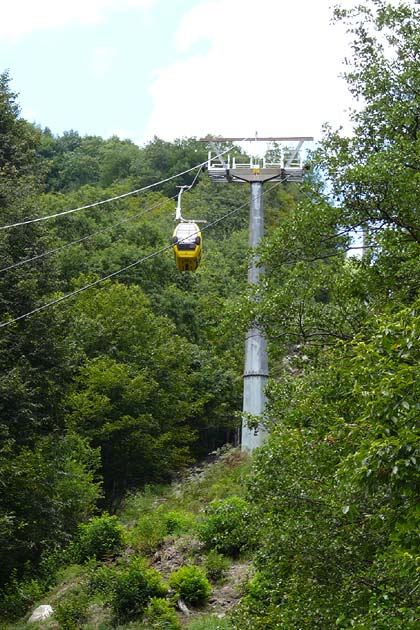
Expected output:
(20, 17)
(101, 60)
(270, 67)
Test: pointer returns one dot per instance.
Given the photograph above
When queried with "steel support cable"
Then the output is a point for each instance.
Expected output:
(196, 176)
(88, 236)
(99, 203)
(93, 234)
(130, 266)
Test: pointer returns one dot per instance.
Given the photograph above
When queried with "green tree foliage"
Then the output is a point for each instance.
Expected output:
(375, 173)
(136, 391)
(159, 160)
(18, 139)
(335, 490)
(116, 160)
(47, 477)
(33, 361)
(47, 491)
(71, 161)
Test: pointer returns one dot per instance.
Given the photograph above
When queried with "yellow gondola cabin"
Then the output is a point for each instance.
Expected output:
(187, 244)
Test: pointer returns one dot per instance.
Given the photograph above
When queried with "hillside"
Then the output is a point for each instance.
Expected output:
(165, 527)
(119, 373)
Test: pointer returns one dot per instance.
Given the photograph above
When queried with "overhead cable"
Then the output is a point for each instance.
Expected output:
(130, 266)
(87, 236)
(99, 203)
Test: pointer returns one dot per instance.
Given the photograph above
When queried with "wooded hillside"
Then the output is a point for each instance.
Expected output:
(132, 379)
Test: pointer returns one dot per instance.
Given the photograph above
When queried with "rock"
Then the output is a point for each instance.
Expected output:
(183, 608)
(40, 613)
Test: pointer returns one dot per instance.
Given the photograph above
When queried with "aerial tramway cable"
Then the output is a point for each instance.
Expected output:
(119, 271)
(88, 236)
(104, 201)
(97, 232)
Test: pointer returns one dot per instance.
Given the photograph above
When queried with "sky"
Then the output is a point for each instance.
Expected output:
(176, 68)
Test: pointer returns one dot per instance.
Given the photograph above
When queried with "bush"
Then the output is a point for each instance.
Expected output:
(148, 534)
(225, 526)
(216, 565)
(191, 584)
(161, 615)
(177, 521)
(101, 580)
(71, 611)
(151, 529)
(133, 589)
(17, 595)
(103, 535)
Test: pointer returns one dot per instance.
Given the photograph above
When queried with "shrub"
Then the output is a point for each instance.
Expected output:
(151, 529)
(133, 589)
(101, 580)
(148, 534)
(225, 526)
(100, 537)
(50, 563)
(191, 584)
(216, 565)
(177, 521)
(161, 615)
(17, 595)
(71, 611)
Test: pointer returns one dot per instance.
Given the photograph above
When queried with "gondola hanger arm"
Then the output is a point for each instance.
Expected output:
(178, 213)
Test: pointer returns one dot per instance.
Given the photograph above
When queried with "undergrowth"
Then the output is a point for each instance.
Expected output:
(115, 553)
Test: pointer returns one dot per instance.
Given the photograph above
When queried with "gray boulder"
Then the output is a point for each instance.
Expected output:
(40, 613)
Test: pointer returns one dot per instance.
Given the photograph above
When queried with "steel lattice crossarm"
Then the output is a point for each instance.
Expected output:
(290, 165)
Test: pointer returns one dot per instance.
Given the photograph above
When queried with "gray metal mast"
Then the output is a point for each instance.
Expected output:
(256, 172)
(256, 360)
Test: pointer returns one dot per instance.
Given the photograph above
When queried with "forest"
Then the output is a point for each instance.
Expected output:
(119, 372)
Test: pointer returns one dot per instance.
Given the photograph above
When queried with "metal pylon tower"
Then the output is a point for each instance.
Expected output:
(289, 168)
